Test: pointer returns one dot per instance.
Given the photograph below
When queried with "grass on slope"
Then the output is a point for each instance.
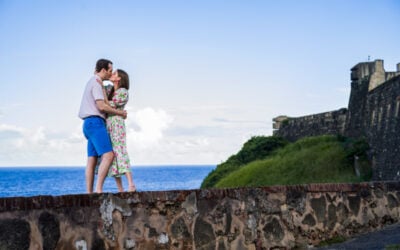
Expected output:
(258, 147)
(319, 159)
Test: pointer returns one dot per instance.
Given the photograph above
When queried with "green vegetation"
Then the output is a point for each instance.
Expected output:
(358, 148)
(258, 147)
(320, 159)
(334, 240)
(392, 247)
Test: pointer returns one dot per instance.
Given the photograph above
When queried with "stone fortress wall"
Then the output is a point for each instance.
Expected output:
(373, 113)
(276, 217)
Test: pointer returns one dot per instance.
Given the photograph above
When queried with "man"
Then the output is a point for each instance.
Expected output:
(93, 111)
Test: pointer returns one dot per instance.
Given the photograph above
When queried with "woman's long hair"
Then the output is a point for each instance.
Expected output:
(123, 83)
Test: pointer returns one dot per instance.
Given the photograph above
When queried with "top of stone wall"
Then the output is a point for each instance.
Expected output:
(280, 120)
(90, 200)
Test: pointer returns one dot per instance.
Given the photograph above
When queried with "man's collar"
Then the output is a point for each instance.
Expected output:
(98, 77)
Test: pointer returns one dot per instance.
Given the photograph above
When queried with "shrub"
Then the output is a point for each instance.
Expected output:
(257, 147)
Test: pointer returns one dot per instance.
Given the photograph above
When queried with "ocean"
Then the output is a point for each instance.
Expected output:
(34, 181)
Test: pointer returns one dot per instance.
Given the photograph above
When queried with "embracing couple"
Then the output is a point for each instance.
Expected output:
(103, 114)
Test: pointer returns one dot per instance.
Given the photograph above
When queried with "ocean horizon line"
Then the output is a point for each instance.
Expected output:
(133, 166)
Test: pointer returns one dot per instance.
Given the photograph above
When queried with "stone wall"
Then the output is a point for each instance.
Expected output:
(373, 114)
(328, 123)
(276, 217)
(368, 79)
(381, 125)
(356, 108)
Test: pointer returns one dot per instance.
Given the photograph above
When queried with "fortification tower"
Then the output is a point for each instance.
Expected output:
(360, 81)
(365, 77)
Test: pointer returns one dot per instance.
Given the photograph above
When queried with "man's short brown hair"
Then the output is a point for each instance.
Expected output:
(102, 64)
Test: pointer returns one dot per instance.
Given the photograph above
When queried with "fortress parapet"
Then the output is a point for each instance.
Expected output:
(279, 121)
(327, 123)
(373, 72)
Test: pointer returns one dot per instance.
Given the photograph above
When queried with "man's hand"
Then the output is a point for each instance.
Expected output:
(125, 114)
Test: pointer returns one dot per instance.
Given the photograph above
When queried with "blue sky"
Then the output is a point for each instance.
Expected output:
(206, 75)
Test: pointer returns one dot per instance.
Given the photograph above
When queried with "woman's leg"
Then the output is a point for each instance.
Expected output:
(118, 180)
(132, 187)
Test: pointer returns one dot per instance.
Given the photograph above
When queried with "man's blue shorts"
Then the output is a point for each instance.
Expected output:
(95, 131)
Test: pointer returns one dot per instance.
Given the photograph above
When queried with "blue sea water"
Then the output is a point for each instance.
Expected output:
(33, 181)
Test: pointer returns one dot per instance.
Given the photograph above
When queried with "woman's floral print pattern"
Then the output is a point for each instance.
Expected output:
(117, 131)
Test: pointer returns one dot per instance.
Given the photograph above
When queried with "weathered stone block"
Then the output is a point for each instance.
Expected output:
(15, 234)
(204, 237)
(332, 217)
(309, 220)
(49, 227)
(354, 204)
(179, 229)
(319, 207)
(273, 230)
(392, 201)
(296, 200)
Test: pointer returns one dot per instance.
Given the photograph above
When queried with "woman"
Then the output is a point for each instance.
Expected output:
(117, 96)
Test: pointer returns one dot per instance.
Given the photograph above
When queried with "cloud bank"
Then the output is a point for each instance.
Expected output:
(155, 136)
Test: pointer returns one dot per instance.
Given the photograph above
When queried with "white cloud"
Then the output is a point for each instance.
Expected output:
(150, 125)
(23, 146)
(154, 136)
(189, 135)
(8, 131)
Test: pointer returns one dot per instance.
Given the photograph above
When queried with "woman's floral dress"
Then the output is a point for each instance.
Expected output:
(117, 131)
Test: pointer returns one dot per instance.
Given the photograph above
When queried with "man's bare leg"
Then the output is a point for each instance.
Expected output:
(89, 173)
(106, 160)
